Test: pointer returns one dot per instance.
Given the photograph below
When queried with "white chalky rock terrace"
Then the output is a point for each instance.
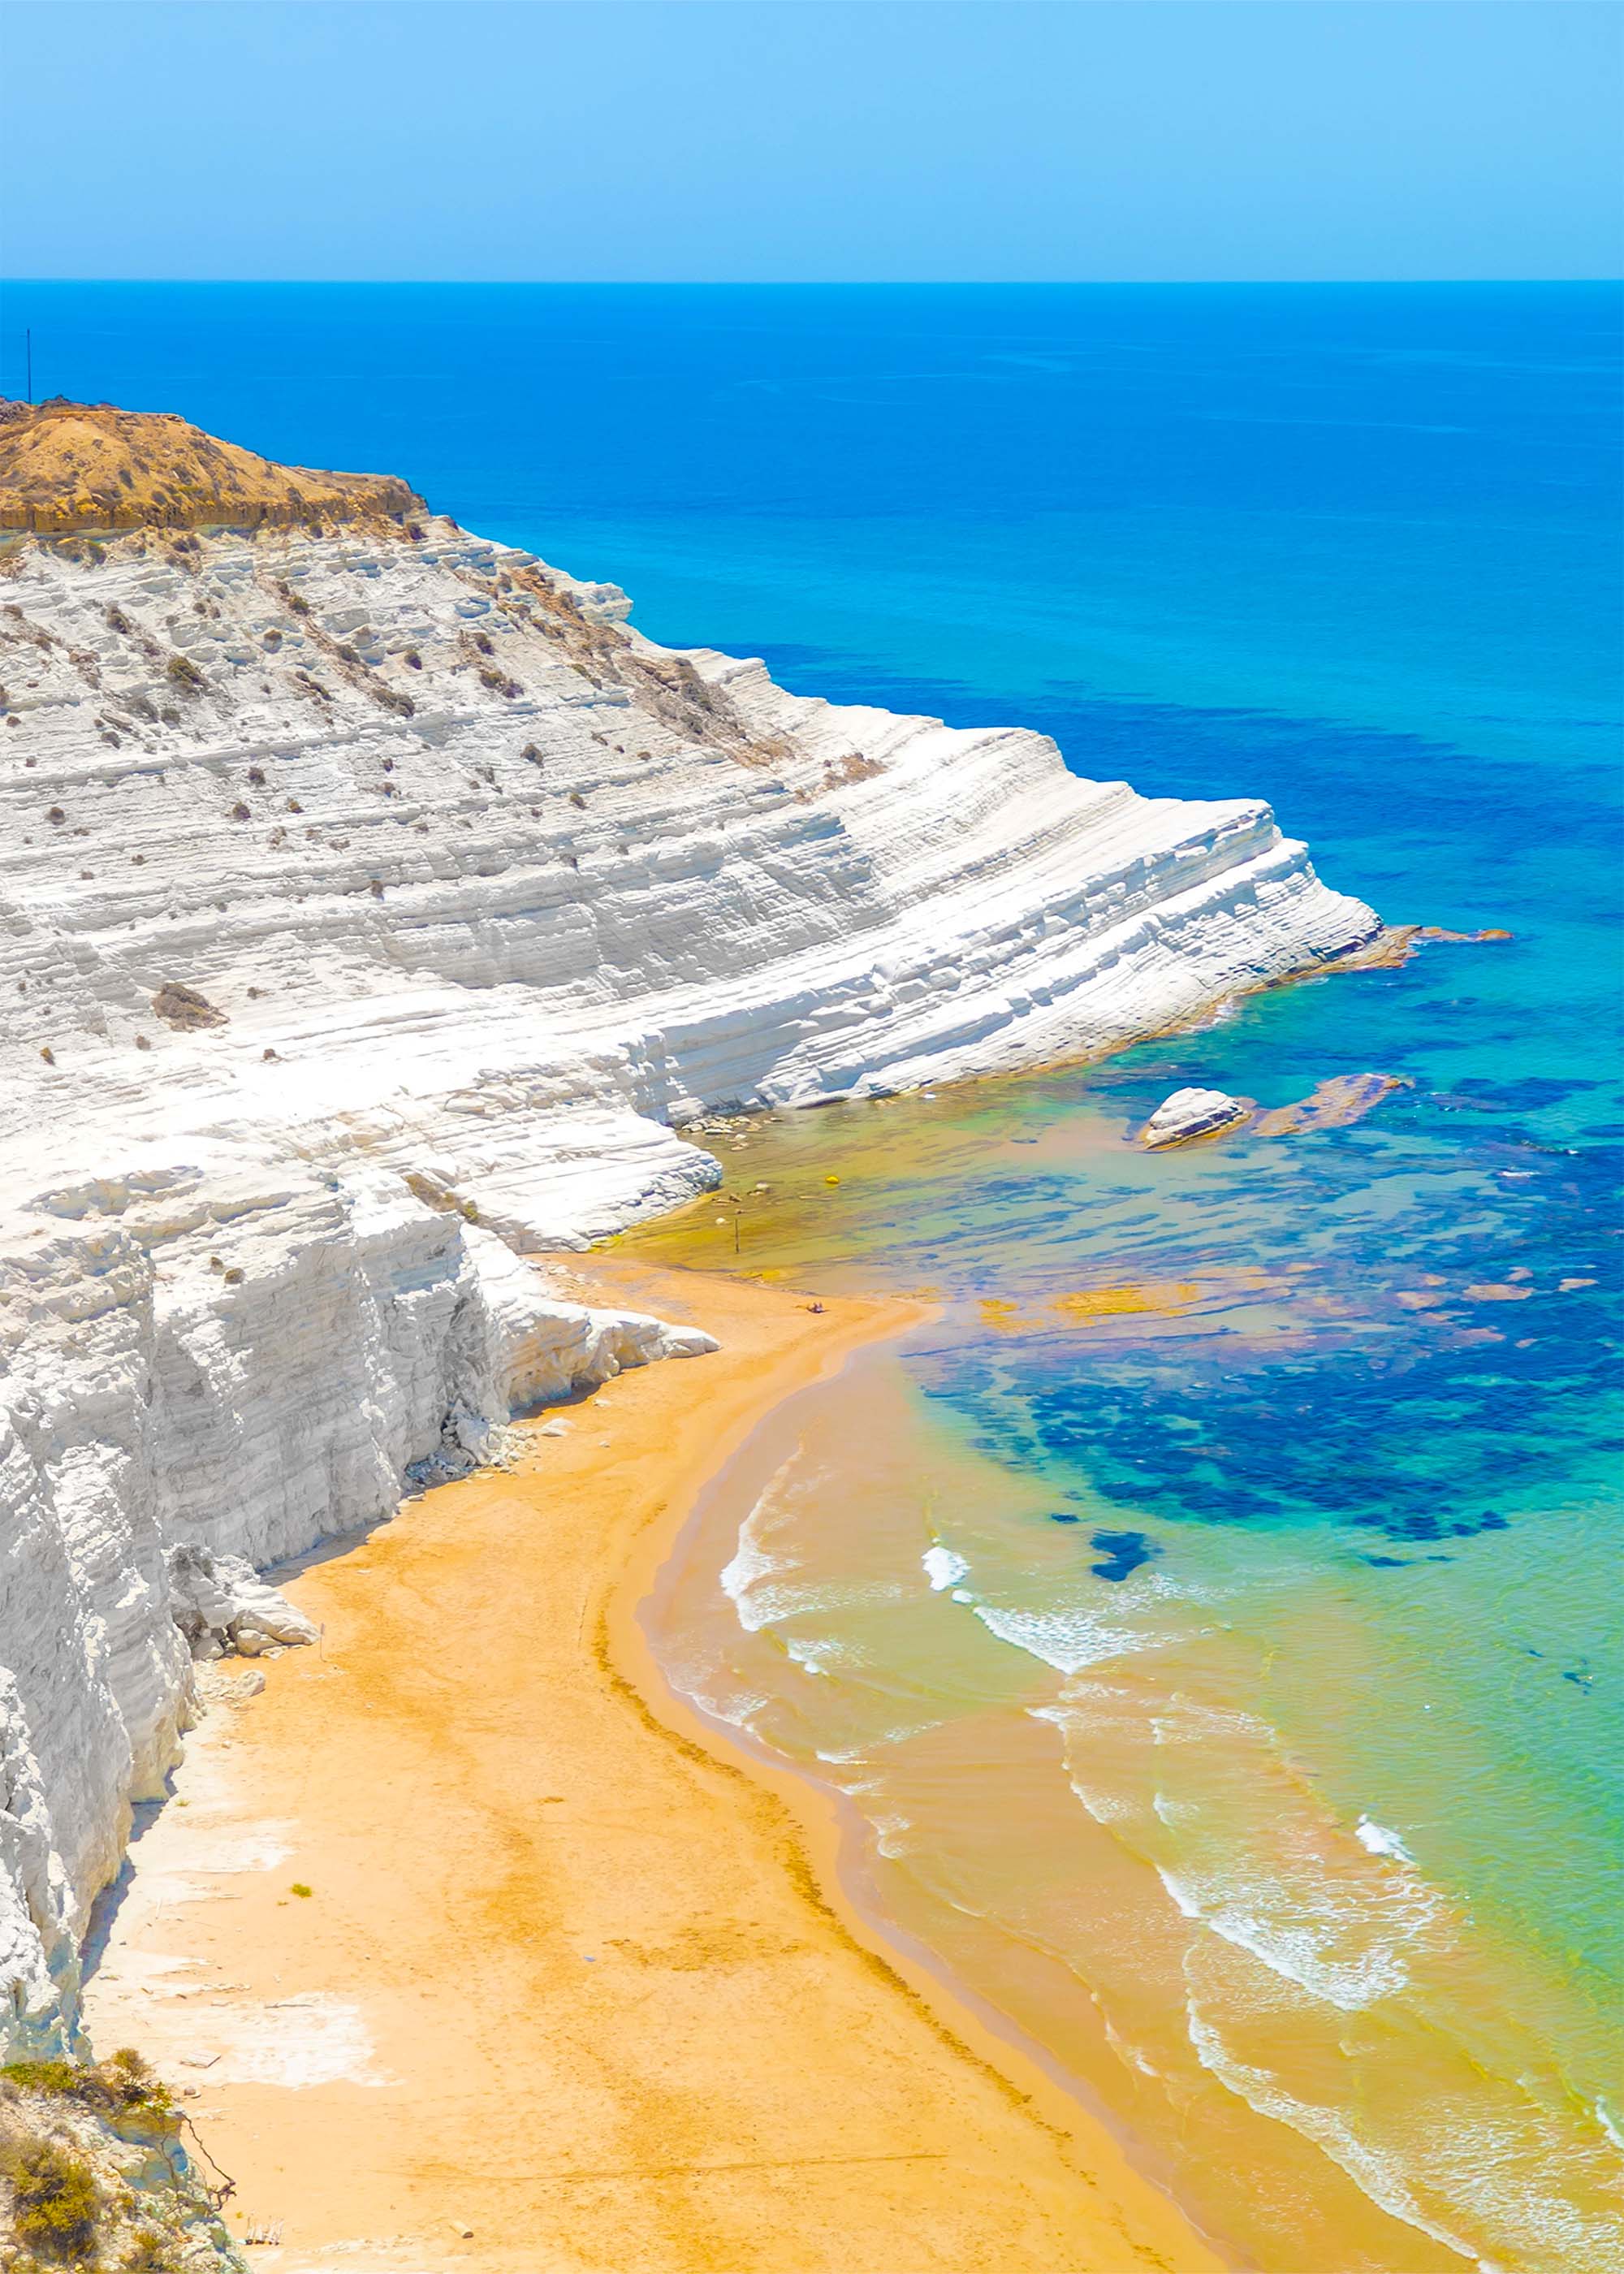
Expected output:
(458, 898)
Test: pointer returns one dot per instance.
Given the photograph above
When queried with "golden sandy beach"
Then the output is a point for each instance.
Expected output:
(565, 1993)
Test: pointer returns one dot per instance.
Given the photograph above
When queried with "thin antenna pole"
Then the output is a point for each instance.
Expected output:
(28, 338)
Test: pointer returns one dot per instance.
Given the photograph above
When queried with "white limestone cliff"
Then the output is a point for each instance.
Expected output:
(373, 912)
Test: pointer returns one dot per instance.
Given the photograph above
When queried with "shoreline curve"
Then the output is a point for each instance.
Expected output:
(627, 2020)
(824, 1829)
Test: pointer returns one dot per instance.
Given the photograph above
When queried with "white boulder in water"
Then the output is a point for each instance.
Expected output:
(1190, 1113)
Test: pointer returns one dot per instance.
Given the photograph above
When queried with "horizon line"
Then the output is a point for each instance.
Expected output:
(827, 283)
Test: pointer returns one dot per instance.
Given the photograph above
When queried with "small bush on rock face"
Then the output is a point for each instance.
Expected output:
(54, 2200)
(180, 1005)
(150, 2254)
(184, 673)
(53, 2076)
(136, 2083)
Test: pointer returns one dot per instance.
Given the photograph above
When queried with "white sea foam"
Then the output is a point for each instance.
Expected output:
(1499, 2168)
(745, 1579)
(1241, 1847)
(771, 1603)
(1328, 2130)
(819, 1656)
(1068, 1640)
(893, 1832)
(767, 1582)
(1380, 1842)
(1074, 1636)
(1301, 1932)
(738, 1709)
(943, 1567)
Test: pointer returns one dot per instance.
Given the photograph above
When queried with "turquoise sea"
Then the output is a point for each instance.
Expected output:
(1218, 1637)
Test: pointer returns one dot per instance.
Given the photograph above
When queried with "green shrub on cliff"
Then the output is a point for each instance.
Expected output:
(123, 2081)
(55, 2205)
(150, 2254)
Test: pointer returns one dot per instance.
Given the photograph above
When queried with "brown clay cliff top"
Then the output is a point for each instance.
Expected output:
(88, 467)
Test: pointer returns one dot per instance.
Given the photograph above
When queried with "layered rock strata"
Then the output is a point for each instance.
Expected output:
(374, 912)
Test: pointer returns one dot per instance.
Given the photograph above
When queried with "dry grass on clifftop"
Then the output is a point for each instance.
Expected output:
(84, 467)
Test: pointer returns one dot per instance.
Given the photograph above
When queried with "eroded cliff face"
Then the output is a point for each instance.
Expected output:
(203, 1366)
(374, 911)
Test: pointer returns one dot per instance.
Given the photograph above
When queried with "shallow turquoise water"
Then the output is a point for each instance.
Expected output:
(1283, 1473)
(1355, 549)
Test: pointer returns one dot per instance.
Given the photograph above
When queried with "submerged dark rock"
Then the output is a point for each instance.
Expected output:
(1122, 1552)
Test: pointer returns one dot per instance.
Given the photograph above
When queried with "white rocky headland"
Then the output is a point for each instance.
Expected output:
(375, 909)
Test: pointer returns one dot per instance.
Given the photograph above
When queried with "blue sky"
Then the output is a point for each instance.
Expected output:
(794, 139)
